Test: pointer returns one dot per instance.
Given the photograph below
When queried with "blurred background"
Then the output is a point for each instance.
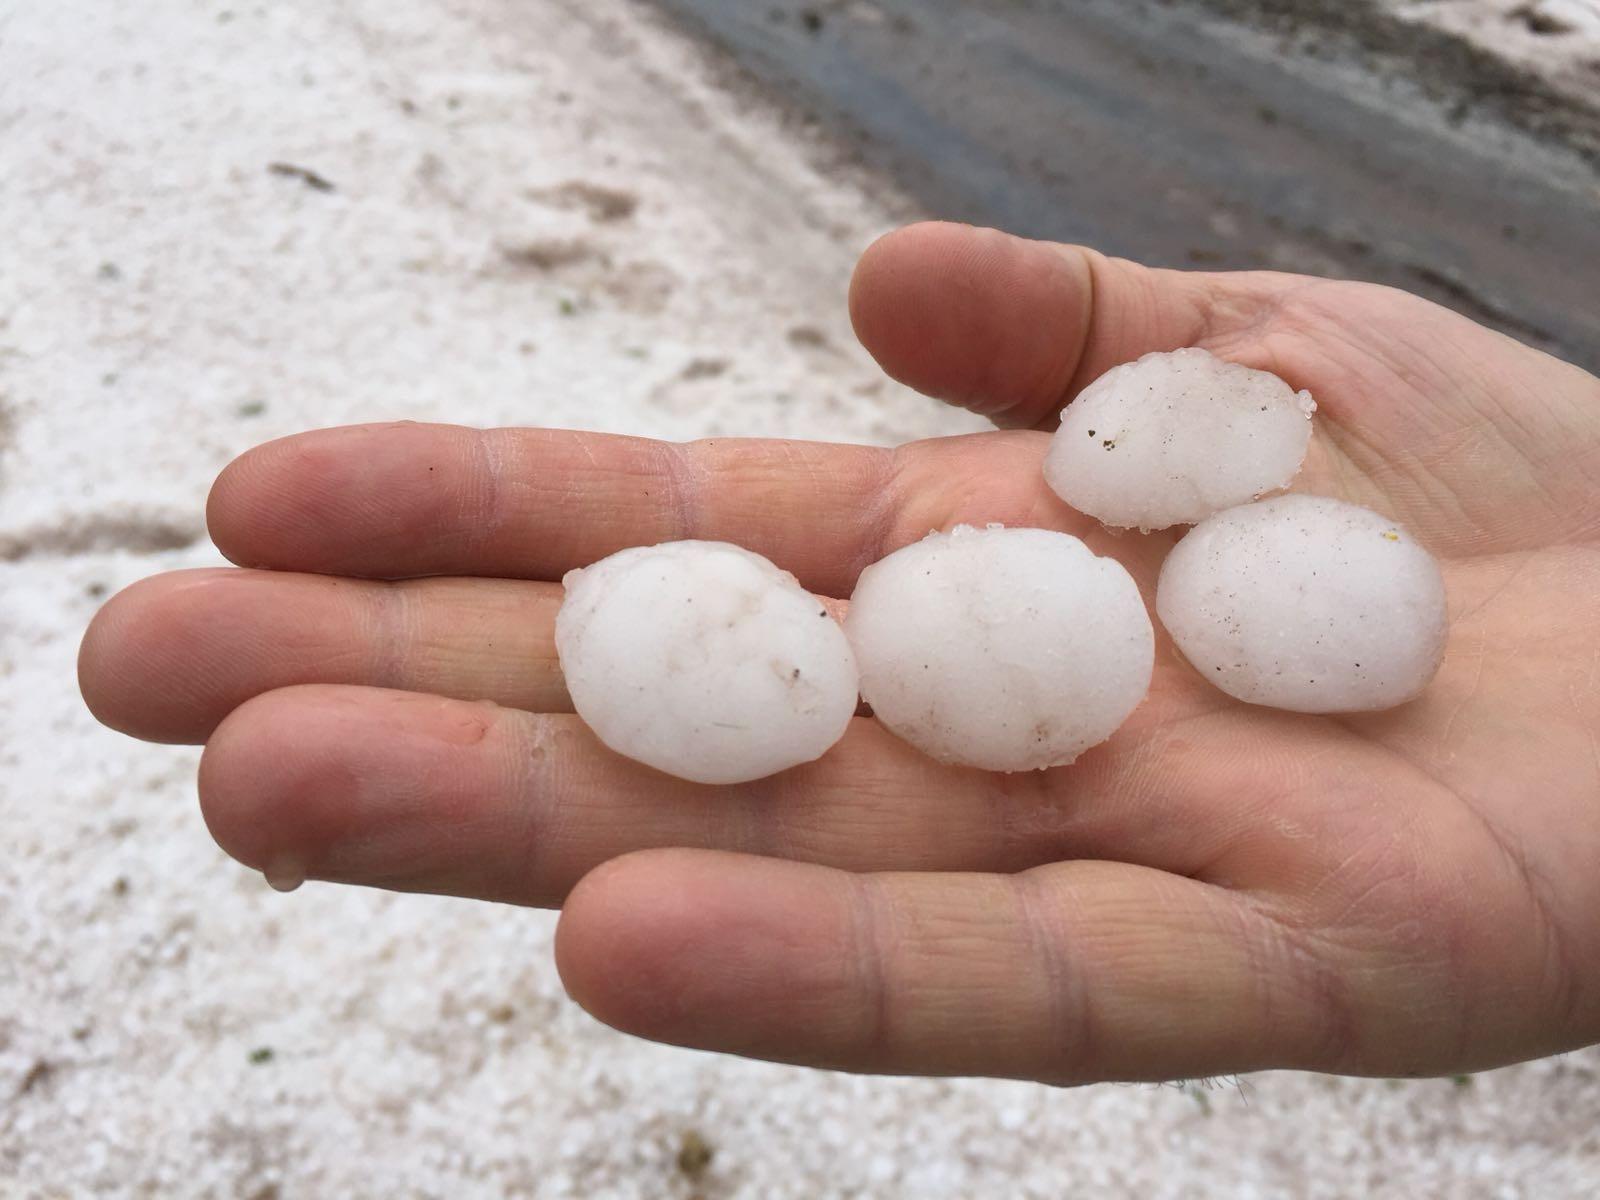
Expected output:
(224, 222)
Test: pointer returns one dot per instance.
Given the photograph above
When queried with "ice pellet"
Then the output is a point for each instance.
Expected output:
(1173, 438)
(1007, 649)
(1308, 604)
(705, 661)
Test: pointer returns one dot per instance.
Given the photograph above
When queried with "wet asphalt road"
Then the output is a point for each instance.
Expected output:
(1156, 132)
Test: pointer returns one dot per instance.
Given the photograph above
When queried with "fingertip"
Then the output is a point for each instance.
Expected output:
(126, 648)
(707, 949)
(263, 503)
(321, 500)
(221, 507)
(97, 666)
(975, 317)
(229, 787)
(275, 789)
(623, 933)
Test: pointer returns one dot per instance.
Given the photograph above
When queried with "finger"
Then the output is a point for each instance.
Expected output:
(408, 500)
(1013, 328)
(1072, 973)
(420, 793)
(170, 657)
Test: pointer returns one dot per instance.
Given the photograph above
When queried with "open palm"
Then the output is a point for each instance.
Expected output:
(1219, 888)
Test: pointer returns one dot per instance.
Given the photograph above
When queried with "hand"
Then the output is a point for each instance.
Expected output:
(1218, 889)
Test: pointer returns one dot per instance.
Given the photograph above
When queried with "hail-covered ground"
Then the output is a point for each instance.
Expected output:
(1557, 39)
(225, 223)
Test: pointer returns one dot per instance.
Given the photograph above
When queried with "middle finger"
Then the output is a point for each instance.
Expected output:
(170, 657)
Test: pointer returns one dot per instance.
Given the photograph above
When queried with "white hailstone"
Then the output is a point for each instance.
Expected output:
(705, 661)
(1307, 604)
(1007, 649)
(1173, 438)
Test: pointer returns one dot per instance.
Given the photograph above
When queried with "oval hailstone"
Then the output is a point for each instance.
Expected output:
(1173, 438)
(1007, 649)
(1307, 604)
(705, 661)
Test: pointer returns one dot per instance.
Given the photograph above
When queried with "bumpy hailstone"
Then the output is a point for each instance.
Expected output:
(1007, 649)
(1307, 604)
(1173, 438)
(705, 661)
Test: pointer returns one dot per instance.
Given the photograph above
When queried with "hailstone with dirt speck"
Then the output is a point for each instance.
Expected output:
(705, 661)
(1307, 604)
(1006, 649)
(1173, 438)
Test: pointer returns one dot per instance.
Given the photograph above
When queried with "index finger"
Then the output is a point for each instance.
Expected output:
(408, 500)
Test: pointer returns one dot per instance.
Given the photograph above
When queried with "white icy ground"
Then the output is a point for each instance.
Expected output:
(166, 302)
(1559, 39)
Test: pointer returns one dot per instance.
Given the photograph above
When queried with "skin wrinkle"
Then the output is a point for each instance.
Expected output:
(1093, 333)
(1012, 803)
(1230, 321)
(1299, 842)
(889, 498)
(1533, 473)
(1086, 1020)
(1029, 795)
(1265, 967)
(1427, 363)
(487, 507)
(796, 827)
(1466, 701)
(1314, 313)
(808, 465)
(1519, 562)
(1561, 958)
(762, 809)
(1439, 504)
(540, 817)
(1020, 800)
(1214, 868)
(682, 474)
(1460, 448)
(1379, 461)
(1070, 1042)
(392, 637)
(1084, 335)
(1391, 846)
(1519, 409)
(1336, 1042)
(937, 488)
(872, 944)
(1298, 337)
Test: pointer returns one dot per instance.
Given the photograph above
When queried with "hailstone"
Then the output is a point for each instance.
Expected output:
(1307, 604)
(1173, 438)
(1006, 649)
(705, 661)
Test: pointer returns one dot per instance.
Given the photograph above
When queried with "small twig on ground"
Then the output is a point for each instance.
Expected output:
(314, 181)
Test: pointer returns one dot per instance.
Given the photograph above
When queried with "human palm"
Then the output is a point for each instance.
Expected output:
(1219, 888)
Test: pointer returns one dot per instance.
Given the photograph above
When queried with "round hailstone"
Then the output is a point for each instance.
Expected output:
(704, 661)
(1007, 649)
(1173, 438)
(1307, 604)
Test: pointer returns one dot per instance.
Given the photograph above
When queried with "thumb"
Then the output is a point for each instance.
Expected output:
(1069, 974)
(1012, 328)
